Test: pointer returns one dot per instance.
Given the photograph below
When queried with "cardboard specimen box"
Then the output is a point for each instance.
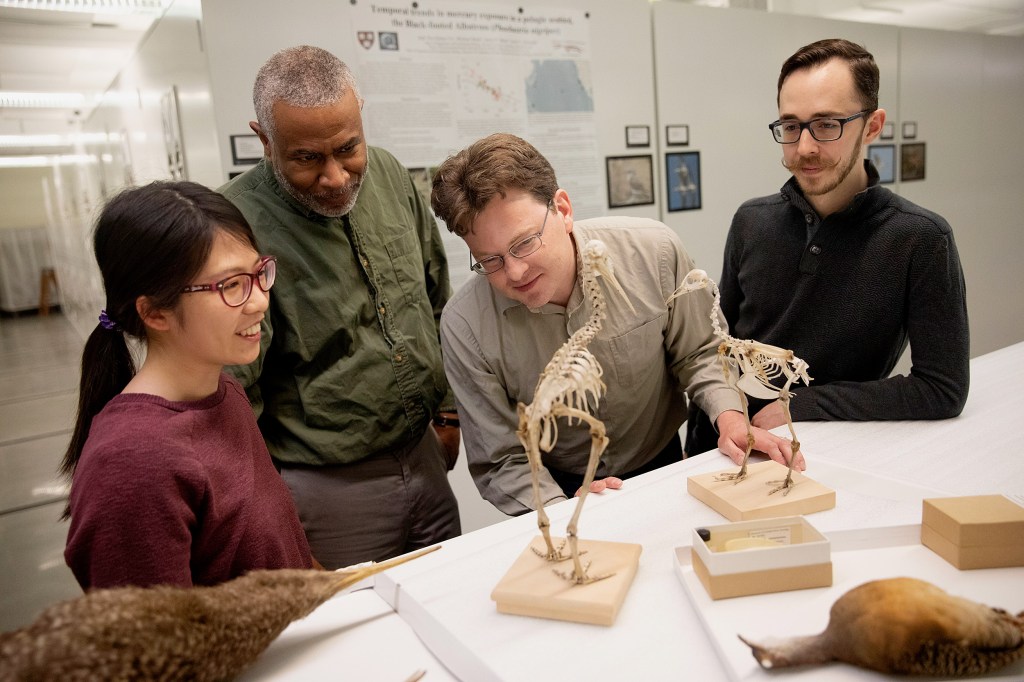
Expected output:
(978, 531)
(766, 555)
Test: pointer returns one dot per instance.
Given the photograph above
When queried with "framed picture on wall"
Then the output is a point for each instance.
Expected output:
(909, 130)
(883, 156)
(246, 149)
(630, 180)
(912, 162)
(888, 131)
(677, 135)
(638, 136)
(173, 147)
(682, 174)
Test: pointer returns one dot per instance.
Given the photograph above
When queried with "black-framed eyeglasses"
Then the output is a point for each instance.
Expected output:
(521, 249)
(236, 289)
(822, 129)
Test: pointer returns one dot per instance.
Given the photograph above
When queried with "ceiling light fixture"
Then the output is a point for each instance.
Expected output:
(52, 140)
(155, 7)
(45, 100)
(47, 161)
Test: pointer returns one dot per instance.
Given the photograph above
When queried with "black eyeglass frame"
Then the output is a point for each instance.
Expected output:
(267, 265)
(478, 265)
(806, 125)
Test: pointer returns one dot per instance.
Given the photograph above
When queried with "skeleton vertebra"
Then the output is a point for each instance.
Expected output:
(757, 365)
(570, 386)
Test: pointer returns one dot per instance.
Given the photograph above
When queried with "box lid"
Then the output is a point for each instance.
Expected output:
(975, 520)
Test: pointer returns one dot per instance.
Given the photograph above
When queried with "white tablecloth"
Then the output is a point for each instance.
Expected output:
(880, 470)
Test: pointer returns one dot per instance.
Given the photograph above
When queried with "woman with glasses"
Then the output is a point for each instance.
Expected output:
(171, 480)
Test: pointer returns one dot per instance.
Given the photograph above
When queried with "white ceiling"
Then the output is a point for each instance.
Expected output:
(44, 51)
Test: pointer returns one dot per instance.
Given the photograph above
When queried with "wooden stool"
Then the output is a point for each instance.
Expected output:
(47, 279)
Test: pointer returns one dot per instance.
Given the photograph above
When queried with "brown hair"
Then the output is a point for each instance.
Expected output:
(862, 64)
(490, 167)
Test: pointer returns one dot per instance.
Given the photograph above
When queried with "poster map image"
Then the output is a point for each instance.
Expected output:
(558, 85)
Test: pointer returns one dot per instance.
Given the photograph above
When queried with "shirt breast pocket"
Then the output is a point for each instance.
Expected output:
(407, 264)
(637, 353)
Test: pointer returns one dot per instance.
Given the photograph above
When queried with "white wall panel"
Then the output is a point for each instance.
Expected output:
(966, 94)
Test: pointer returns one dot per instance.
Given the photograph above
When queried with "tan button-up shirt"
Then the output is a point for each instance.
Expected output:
(495, 348)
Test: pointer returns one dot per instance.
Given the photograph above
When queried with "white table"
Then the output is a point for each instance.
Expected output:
(880, 470)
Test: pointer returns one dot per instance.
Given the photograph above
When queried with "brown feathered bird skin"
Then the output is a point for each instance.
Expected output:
(171, 633)
(905, 626)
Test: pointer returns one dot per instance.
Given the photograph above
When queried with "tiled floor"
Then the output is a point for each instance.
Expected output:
(39, 369)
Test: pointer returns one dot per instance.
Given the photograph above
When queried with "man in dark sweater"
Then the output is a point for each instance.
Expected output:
(838, 268)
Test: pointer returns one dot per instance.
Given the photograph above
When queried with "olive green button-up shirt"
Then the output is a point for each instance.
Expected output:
(350, 362)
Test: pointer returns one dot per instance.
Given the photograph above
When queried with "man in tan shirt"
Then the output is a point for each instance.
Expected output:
(501, 329)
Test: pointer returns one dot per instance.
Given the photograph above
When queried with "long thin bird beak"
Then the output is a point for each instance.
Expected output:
(350, 576)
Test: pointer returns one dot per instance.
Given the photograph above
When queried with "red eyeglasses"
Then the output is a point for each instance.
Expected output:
(236, 289)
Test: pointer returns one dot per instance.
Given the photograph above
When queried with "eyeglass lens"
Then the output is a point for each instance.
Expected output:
(236, 290)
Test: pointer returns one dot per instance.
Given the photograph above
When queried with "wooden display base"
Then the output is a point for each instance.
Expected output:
(531, 587)
(749, 499)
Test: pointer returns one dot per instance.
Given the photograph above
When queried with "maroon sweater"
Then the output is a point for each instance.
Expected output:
(179, 493)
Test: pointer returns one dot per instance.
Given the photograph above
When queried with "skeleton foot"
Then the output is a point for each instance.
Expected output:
(560, 553)
(556, 554)
(735, 477)
(786, 484)
(583, 579)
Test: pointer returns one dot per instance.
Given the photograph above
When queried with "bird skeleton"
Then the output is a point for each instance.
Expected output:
(570, 386)
(757, 366)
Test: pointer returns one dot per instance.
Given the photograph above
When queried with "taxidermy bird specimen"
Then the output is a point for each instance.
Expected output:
(171, 633)
(570, 386)
(756, 366)
(905, 626)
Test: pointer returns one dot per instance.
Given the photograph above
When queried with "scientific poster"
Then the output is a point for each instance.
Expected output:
(438, 76)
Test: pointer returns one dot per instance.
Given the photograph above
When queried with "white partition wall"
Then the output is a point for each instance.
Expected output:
(965, 92)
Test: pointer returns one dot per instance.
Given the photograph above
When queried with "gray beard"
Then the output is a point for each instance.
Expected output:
(311, 202)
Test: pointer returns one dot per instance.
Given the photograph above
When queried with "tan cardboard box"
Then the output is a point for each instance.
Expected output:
(979, 531)
(793, 556)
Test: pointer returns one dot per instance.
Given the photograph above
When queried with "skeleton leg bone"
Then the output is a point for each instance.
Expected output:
(598, 442)
(787, 484)
(530, 438)
(742, 473)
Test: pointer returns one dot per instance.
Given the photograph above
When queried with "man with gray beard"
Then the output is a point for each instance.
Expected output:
(348, 388)
(839, 269)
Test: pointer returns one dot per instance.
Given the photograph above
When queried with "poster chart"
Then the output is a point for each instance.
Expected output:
(437, 76)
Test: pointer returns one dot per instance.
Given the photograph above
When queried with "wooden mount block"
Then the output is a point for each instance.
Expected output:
(532, 588)
(749, 499)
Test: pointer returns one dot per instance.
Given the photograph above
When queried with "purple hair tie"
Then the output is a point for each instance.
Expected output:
(106, 322)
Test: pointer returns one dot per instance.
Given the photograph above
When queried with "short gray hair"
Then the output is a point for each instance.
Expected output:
(303, 76)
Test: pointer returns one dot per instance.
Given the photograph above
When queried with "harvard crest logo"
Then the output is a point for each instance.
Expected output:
(365, 39)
